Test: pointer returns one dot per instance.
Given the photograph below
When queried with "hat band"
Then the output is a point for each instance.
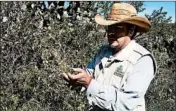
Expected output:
(114, 19)
(122, 12)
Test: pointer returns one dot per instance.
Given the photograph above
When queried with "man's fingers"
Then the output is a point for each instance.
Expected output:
(65, 76)
(74, 77)
(78, 70)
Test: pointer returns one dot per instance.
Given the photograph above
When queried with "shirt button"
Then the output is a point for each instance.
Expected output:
(90, 95)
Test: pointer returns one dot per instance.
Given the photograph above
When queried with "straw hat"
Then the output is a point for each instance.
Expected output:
(124, 13)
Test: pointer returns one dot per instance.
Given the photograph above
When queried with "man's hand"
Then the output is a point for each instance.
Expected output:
(82, 77)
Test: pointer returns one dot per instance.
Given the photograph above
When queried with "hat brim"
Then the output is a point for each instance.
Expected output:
(142, 23)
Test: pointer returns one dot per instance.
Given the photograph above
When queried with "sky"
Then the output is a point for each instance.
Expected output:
(168, 6)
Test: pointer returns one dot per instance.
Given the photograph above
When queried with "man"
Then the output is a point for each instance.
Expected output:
(120, 73)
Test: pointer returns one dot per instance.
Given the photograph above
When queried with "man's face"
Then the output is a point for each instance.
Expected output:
(117, 35)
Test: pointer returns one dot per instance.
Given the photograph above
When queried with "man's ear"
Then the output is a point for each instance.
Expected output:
(132, 31)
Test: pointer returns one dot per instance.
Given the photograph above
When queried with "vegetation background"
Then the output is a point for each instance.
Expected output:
(39, 42)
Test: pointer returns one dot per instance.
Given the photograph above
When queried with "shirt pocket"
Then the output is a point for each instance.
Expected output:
(116, 79)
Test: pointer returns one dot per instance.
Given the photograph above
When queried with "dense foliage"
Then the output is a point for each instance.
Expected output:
(40, 42)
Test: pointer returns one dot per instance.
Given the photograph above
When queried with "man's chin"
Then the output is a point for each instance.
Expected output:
(112, 46)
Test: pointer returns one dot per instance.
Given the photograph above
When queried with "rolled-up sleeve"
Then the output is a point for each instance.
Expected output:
(135, 87)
